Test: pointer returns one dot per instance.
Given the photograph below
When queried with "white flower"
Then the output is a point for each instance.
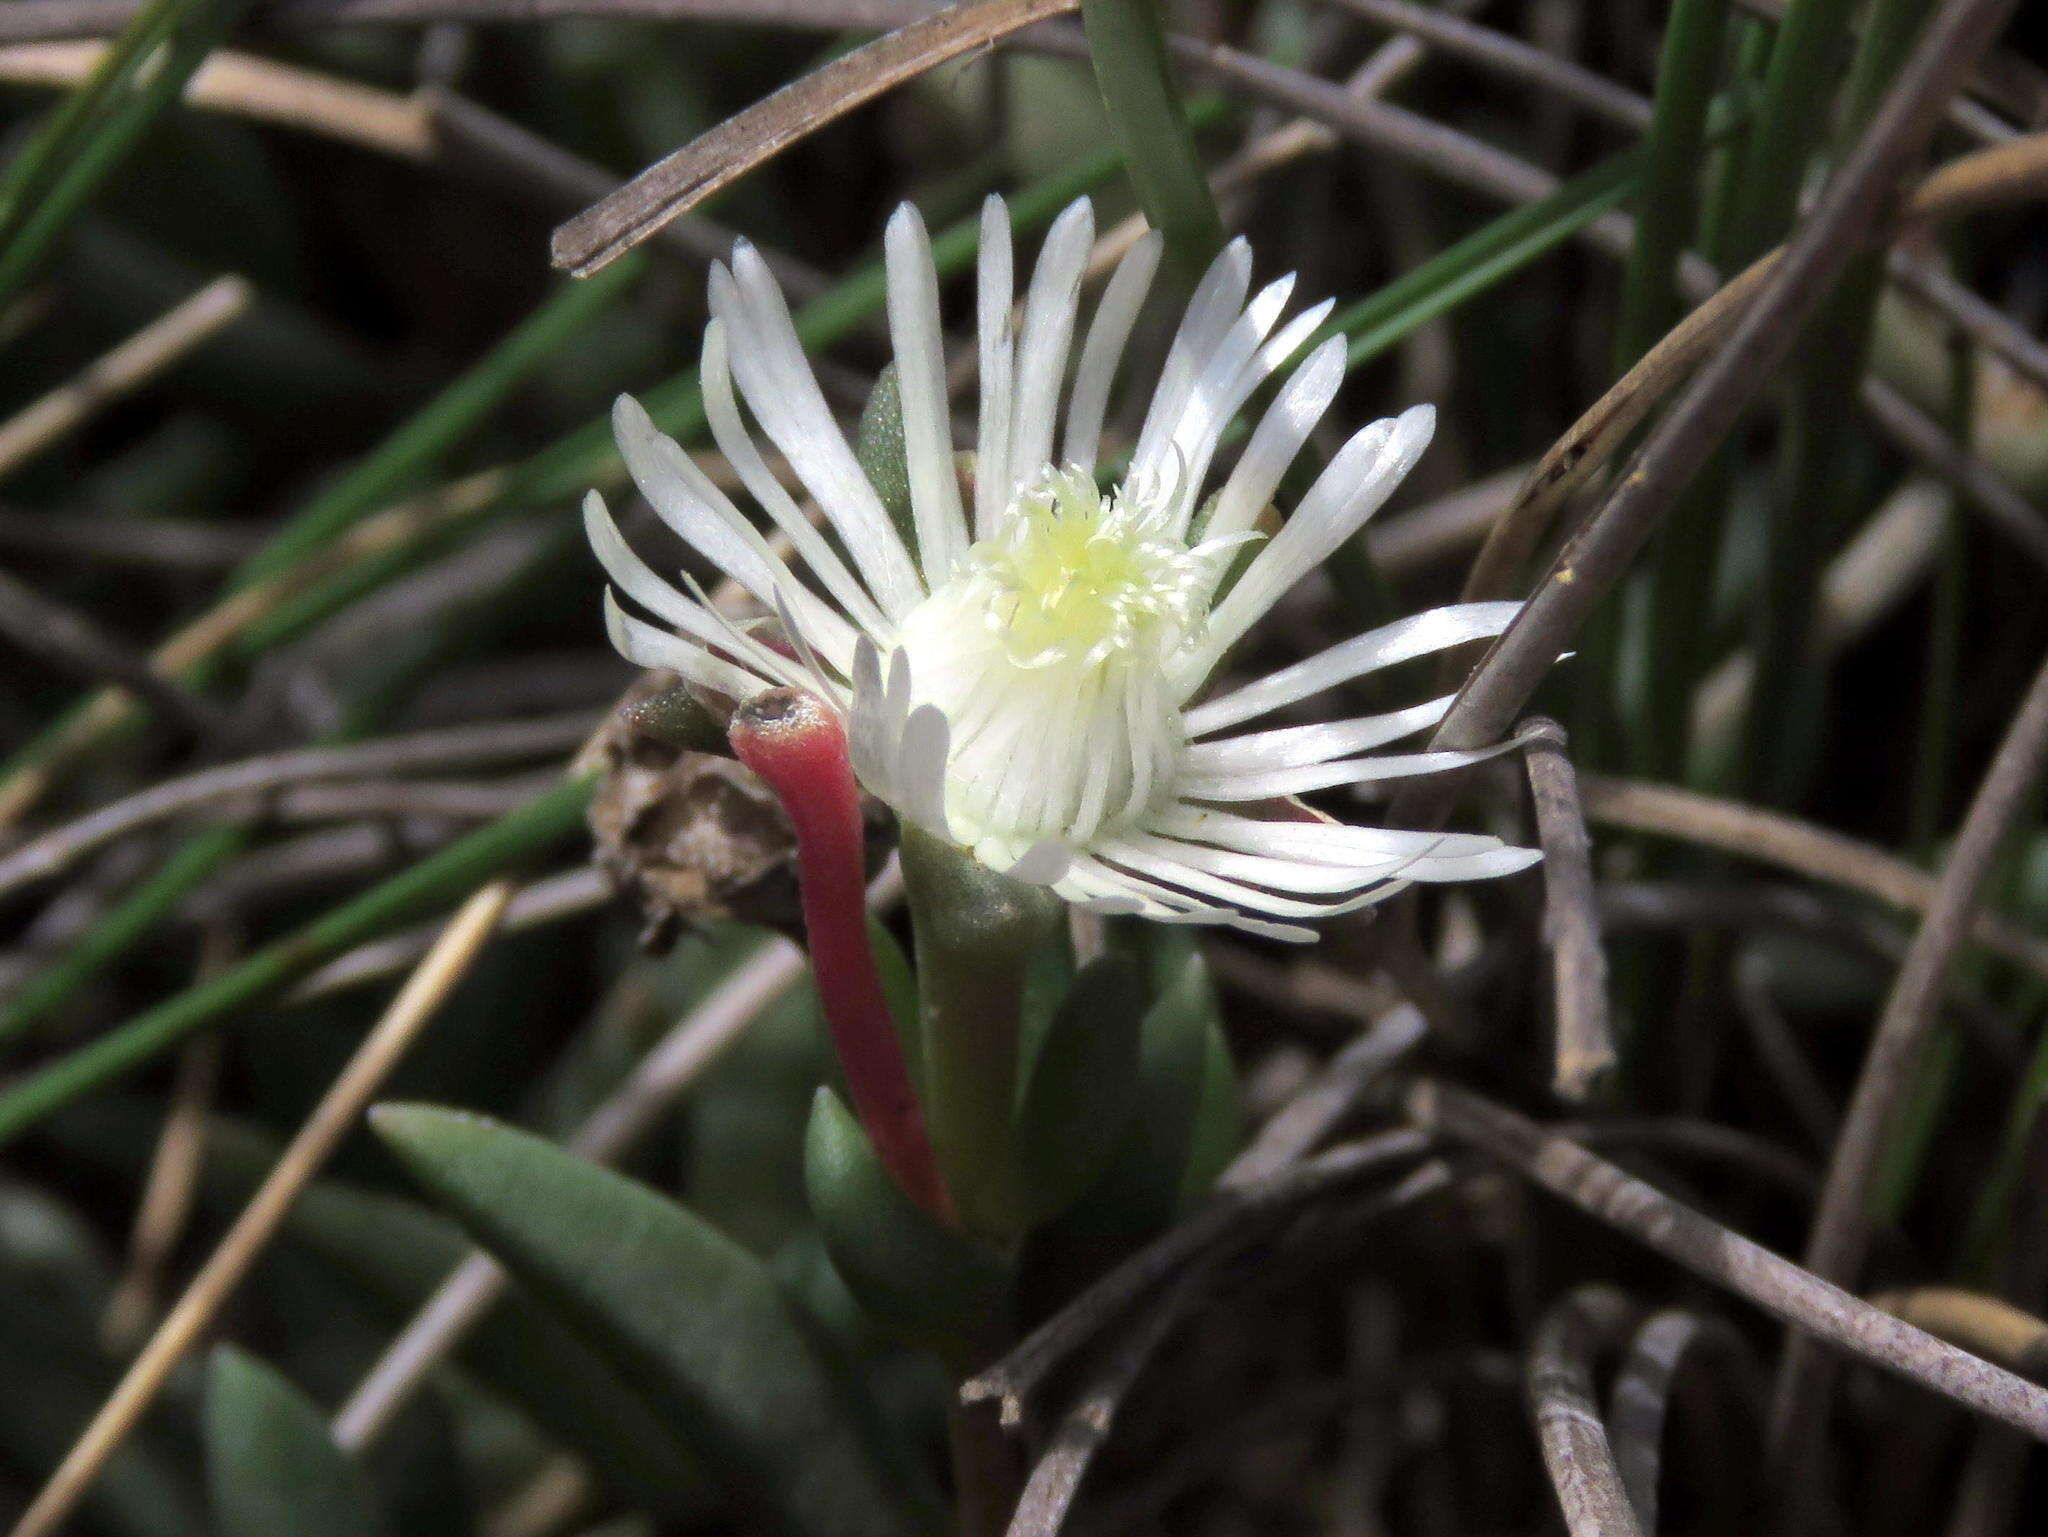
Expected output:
(1023, 683)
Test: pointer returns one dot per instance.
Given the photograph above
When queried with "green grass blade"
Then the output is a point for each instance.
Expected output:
(422, 442)
(435, 881)
(93, 132)
(1127, 45)
(1667, 212)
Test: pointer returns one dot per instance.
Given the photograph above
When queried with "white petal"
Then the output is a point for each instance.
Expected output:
(776, 378)
(1278, 438)
(1049, 310)
(684, 498)
(921, 383)
(648, 645)
(1317, 842)
(1361, 477)
(1217, 300)
(737, 444)
(1208, 404)
(994, 285)
(1045, 862)
(1107, 334)
(921, 769)
(1222, 401)
(1292, 746)
(1266, 783)
(637, 580)
(871, 739)
(1149, 859)
(1435, 629)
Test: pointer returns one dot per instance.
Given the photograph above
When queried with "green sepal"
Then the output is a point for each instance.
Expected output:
(1082, 1082)
(878, 446)
(272, 1467)
(695, 1321)
(919, 1279)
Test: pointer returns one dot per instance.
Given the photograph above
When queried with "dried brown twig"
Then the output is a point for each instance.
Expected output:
(454, 747)
(1791, 844)
(742, 142)
(1566, 1408)
(1841, 1227)
(1709, 1250)
(331, 1120)
(1585, 1043)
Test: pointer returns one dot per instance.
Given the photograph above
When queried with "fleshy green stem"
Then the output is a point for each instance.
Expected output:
(975, 932)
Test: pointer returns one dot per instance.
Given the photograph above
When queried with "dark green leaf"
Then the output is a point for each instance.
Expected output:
(921, 1279)
(1081, 1085)
(688, 1315)
(273, 1468)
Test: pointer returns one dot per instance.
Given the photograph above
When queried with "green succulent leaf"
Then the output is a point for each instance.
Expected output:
(1076, 1101)
(918, 1278)
(1141, 1190)
(684, 1312)
(273, 1469)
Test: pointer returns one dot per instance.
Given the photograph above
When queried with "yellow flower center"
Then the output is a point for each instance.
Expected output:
(1077, 577)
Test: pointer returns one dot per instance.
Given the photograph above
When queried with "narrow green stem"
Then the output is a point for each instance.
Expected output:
(1127, 43)
(975, 933)
(1667, 213)
(1798, 84)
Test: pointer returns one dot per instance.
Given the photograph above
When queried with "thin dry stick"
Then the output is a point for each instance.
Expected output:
(614, 1126)
(70, 641)
(672, 186)
(1610, 420)
(1334, 1093)
(1236, 1216)
(171, 544)
(1989, 1326)
(37, 20)
(1566, 1409)
(332, 1119)
(143, 356)
(1987, 326)
(1726, 1258)
(1507, 55)
(1055, 1481)
(1571, 917)
(1639, 1403)
(1841, 1228)
(1056, 1477)
(553, 900)
(166, 1194)
(1791, 844)
(1771, 1036)
(1980, 486)
(244, 85)
(219, 625)
(454, 747)
(1988, 178)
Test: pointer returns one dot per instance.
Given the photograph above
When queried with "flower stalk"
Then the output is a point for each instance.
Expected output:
(799, 748)
(976, 932)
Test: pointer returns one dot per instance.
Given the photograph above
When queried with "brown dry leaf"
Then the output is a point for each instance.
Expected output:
(690, 834)
(672, 186)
